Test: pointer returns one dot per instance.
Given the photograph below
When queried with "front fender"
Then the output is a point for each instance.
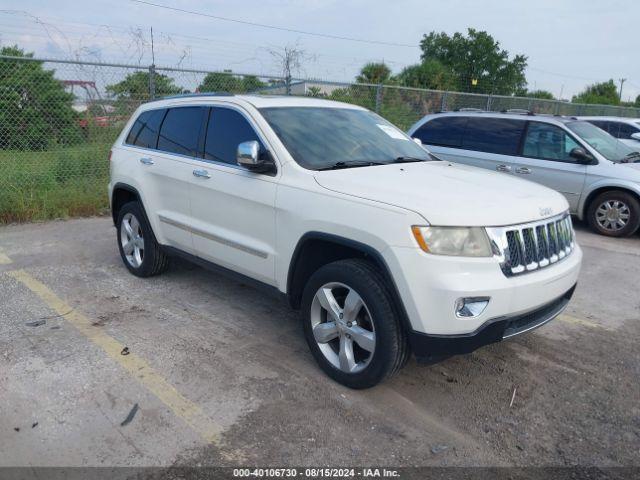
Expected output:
(601, 185)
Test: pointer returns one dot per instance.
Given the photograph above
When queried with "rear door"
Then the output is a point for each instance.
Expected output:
(170, 176)
(160, 178)
(233, 209)
(480, 141)
(546, 159)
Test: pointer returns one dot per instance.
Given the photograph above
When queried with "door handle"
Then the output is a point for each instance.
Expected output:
(503, 168)
(201, 174)
(146, 161)
(523, 170)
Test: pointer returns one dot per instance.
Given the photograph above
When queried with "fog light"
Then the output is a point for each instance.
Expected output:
(470, 307)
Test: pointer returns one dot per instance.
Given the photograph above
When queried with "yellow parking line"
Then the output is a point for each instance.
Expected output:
(581, 322)
(4, 260)
(185, 409)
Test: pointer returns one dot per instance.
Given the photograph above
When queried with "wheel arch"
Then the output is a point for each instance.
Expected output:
(315, 249)
(123, 193)
(605, 188)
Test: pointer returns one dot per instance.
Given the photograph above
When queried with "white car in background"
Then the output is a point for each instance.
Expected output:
(627, 130)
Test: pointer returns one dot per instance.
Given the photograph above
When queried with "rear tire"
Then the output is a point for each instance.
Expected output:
(137, 244)
(614, 214)
(351, 324)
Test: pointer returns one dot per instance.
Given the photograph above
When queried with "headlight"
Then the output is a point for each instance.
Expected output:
(457, 241)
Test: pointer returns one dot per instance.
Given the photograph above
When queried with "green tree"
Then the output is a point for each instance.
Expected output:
(227, 82)
(374, 73)
(605, 93)
(637, 102)
(315, 92)
(430, 74)
(543, 94)
(477, 61)
(135, 88)
(35, 110)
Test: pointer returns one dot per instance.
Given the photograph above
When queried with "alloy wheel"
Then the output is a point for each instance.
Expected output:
(132, 240)
(613, 215)
(342, 327)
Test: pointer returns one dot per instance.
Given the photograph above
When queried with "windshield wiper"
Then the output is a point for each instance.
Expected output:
(631, 157)
(357, 163)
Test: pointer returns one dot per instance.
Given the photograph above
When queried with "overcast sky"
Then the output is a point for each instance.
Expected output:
(569, 43)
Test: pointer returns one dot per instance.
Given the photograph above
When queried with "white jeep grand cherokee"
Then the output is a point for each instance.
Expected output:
(385, 249)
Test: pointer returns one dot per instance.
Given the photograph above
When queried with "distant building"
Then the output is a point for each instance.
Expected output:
(304, 87)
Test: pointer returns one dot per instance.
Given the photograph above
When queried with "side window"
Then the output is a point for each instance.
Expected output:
(601, 124)
(227, 129)
(180, 131)
(493, 135)
(622, 130)
(445, 131)
(548, 142)
(144, 132)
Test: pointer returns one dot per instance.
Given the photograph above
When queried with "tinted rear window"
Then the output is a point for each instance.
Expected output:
(445, 131)
(144, 132)
(493, 135)
(181, 130)
(622, 130)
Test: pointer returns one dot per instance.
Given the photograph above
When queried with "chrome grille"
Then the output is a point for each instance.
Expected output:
(531, 246)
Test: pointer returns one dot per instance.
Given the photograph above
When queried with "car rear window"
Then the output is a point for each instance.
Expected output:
(493, 135)
(144, 132)
(445, 131)
(180, 131)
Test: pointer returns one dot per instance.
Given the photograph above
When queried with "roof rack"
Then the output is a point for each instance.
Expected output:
(198, 94)
(468, 109)
(518, 111)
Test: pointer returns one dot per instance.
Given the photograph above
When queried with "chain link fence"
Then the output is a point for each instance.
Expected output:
(59, 118)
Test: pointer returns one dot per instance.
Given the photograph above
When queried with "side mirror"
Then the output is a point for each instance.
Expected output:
(417, 140)
(581, 155)
(248, 156)
(636, 136)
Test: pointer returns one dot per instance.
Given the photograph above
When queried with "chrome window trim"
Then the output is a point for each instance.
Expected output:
(558, 239)
(240, 110)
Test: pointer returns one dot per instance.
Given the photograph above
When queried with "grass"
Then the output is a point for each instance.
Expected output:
(58, 183)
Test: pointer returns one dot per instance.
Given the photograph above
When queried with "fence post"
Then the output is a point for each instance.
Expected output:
(488, 108)
(152, 81)
(443, 102)
(378, 97)
(287, 81)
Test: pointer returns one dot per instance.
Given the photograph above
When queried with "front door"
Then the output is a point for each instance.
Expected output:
(546, 159)
(233, 209)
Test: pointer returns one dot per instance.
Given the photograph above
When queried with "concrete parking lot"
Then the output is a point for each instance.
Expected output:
(98, 367)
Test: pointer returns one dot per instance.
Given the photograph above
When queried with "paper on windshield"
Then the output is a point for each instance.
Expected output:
(392, 132)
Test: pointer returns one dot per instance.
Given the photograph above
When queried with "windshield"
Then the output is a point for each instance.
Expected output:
(321, 137)
(608, 146)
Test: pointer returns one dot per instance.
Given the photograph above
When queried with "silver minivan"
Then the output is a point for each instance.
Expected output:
(599, 175)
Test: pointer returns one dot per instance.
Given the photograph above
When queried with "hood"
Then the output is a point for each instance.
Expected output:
(635, 165)
(448, 194)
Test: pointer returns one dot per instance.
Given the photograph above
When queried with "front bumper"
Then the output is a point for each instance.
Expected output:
(430, 286)
(429, 348)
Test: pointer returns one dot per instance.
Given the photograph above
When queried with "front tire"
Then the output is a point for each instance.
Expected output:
(137, 244)
(351, 324)
(614, 214)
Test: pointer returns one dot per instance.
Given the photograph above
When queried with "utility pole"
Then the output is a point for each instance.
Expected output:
(152, 71)
(622, 80)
